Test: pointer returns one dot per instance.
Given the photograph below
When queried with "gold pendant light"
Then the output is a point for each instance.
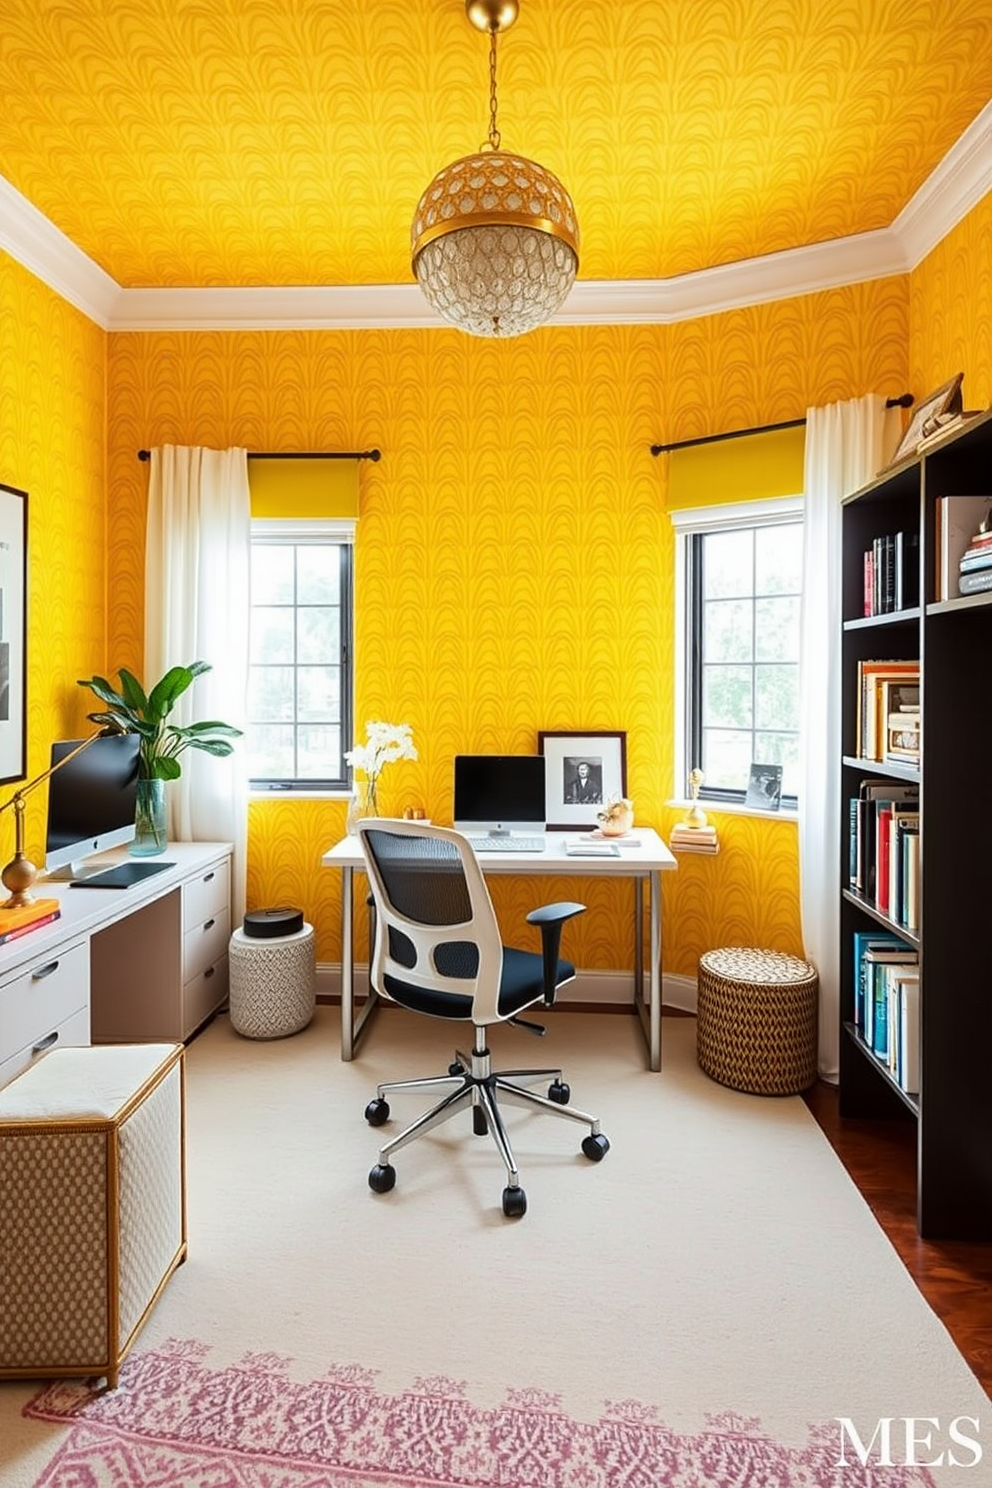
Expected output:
(495, 241)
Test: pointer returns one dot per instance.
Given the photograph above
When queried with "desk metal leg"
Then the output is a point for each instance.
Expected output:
(351, 1027)
(649, 1012)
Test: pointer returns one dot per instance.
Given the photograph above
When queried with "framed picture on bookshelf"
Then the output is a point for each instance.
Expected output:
(946, 399)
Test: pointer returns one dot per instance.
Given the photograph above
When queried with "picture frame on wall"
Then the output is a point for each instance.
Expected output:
(13, 633)
(584, 770)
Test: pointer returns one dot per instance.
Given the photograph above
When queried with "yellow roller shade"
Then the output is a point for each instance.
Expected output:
(303, 487)
(755, 467)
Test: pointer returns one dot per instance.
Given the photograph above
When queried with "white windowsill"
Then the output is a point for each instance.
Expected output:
(731, 808)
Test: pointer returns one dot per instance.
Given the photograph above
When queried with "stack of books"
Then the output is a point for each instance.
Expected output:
(975, 568)
(693, 839)
(17, 922)
(887, 1004)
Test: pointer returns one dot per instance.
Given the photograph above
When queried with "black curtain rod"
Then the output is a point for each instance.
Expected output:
(904, 400)
(370, 454)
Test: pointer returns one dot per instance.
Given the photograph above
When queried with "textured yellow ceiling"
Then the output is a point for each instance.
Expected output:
(247, 142)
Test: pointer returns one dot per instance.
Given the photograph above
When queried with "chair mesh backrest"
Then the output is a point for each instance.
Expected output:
(423, 877)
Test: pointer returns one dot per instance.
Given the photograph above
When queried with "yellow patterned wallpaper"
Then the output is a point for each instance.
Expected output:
(514, 557)
(275, 143)
(52, 444)
(950, 311)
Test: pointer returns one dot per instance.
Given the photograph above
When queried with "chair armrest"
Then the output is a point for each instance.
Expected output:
(549, 920)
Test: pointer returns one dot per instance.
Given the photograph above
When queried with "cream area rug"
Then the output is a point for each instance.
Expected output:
(697, 1309)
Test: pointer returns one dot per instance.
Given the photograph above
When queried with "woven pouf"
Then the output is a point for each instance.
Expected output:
(757, 1020)
(272, 983)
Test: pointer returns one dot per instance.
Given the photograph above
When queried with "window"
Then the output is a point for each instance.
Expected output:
(741, 580)
(299, 690)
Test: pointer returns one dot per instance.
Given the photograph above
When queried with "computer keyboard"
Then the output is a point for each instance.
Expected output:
(508, 844)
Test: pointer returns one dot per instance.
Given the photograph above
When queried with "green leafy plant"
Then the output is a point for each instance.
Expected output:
(130, 708)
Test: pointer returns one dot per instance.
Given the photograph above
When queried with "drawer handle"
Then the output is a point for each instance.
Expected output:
(207, 877)
(209, 972)
(45, 1043)
(208, 925)
(44, 971)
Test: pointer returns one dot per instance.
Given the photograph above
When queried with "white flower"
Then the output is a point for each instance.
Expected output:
(385, 742)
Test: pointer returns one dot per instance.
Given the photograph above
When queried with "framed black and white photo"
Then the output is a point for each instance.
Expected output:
(13, 614)
(764, 787)
(583, 772)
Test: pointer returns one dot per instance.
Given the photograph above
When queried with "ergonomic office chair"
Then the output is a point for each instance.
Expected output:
(438, 951)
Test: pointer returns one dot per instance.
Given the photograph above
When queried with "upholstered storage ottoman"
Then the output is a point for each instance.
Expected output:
(757, 1020)
(92, 1204)
(272, 974)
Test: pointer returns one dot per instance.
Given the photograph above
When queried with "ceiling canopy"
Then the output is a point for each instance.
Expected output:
(185, 143)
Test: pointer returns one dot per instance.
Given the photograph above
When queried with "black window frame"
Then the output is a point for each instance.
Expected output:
(693, 570)
(272, 785)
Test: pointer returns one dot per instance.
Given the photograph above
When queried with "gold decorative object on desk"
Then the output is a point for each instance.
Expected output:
(693, 834)
(20, 873)
(616, 817)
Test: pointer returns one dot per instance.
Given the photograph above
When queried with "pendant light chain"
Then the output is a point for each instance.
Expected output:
(494, 134)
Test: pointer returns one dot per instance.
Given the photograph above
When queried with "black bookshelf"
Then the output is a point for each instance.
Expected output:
(952, 639)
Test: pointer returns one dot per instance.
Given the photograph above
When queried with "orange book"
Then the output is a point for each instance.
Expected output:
(28, 914)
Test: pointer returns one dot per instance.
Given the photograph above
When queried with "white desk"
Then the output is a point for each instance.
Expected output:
(647, 861)
(148, 963)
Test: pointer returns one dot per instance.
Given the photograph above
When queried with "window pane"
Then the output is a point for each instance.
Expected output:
(727, 697)
(271, 634)
(270, 751)
(270, 694)
(319, 753)
(319, 699)
(727, 630)
(778, 559)
(780, 749)
(728, 564)
(776, 697)
(776, 630)
(271, 574)
(726, 758)
(318, 570)
(318, 635)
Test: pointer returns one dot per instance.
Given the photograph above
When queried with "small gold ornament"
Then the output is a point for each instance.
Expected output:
(695, 816)
(616, 817)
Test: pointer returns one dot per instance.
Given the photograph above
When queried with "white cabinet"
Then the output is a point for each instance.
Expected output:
(206, 933)
(44, 1005)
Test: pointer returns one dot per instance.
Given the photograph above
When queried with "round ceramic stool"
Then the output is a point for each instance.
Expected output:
(272, 975)
(757, 1020)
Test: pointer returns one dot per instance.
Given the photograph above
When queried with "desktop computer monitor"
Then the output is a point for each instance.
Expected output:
(499, 793)
(91, 800)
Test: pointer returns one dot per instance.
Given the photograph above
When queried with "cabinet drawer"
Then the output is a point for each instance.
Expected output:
(204, 994)
(41, 997)
(203, 944)
(74, 1033)
(207, 894)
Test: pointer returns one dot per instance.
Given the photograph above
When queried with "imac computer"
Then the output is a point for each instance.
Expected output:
(91, 807)
(500, 796)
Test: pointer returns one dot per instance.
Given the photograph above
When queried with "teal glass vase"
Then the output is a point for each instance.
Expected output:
(150, 832)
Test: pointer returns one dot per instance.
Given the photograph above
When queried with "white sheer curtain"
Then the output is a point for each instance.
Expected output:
(197, 569)
(846, 445)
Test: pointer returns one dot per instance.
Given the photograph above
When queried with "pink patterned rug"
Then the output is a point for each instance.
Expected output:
(174, 1422)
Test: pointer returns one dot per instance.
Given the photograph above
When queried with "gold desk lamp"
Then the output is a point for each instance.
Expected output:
(20, 873)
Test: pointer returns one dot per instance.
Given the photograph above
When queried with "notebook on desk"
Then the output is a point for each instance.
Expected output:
(499, 801)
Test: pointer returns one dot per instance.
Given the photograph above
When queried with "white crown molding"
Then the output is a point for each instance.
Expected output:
(957, 184)
(948, 194)
(36, 243)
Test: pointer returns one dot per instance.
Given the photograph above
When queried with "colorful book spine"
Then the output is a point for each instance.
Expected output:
(975, 583)
(18, 930)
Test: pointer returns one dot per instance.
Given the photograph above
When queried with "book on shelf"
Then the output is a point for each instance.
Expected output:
(873, 797)
(685, 833)
(876, 965)
(892, 573)
(872, 707)
(865, 940)
(956, 521)
(907, 1071)
(902, 737)
(975, 583)
(17, 922)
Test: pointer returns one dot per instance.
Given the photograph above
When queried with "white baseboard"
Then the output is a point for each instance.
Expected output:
(590, 987)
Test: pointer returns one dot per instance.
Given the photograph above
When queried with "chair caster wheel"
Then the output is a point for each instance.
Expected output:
(595, 1148)
(382, 1178)
(560, 1093)
(514, 1203)
(479, 1123)
(456, 1067)
(377, 1112)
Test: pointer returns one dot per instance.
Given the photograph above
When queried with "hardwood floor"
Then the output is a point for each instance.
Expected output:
(956, 1279)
